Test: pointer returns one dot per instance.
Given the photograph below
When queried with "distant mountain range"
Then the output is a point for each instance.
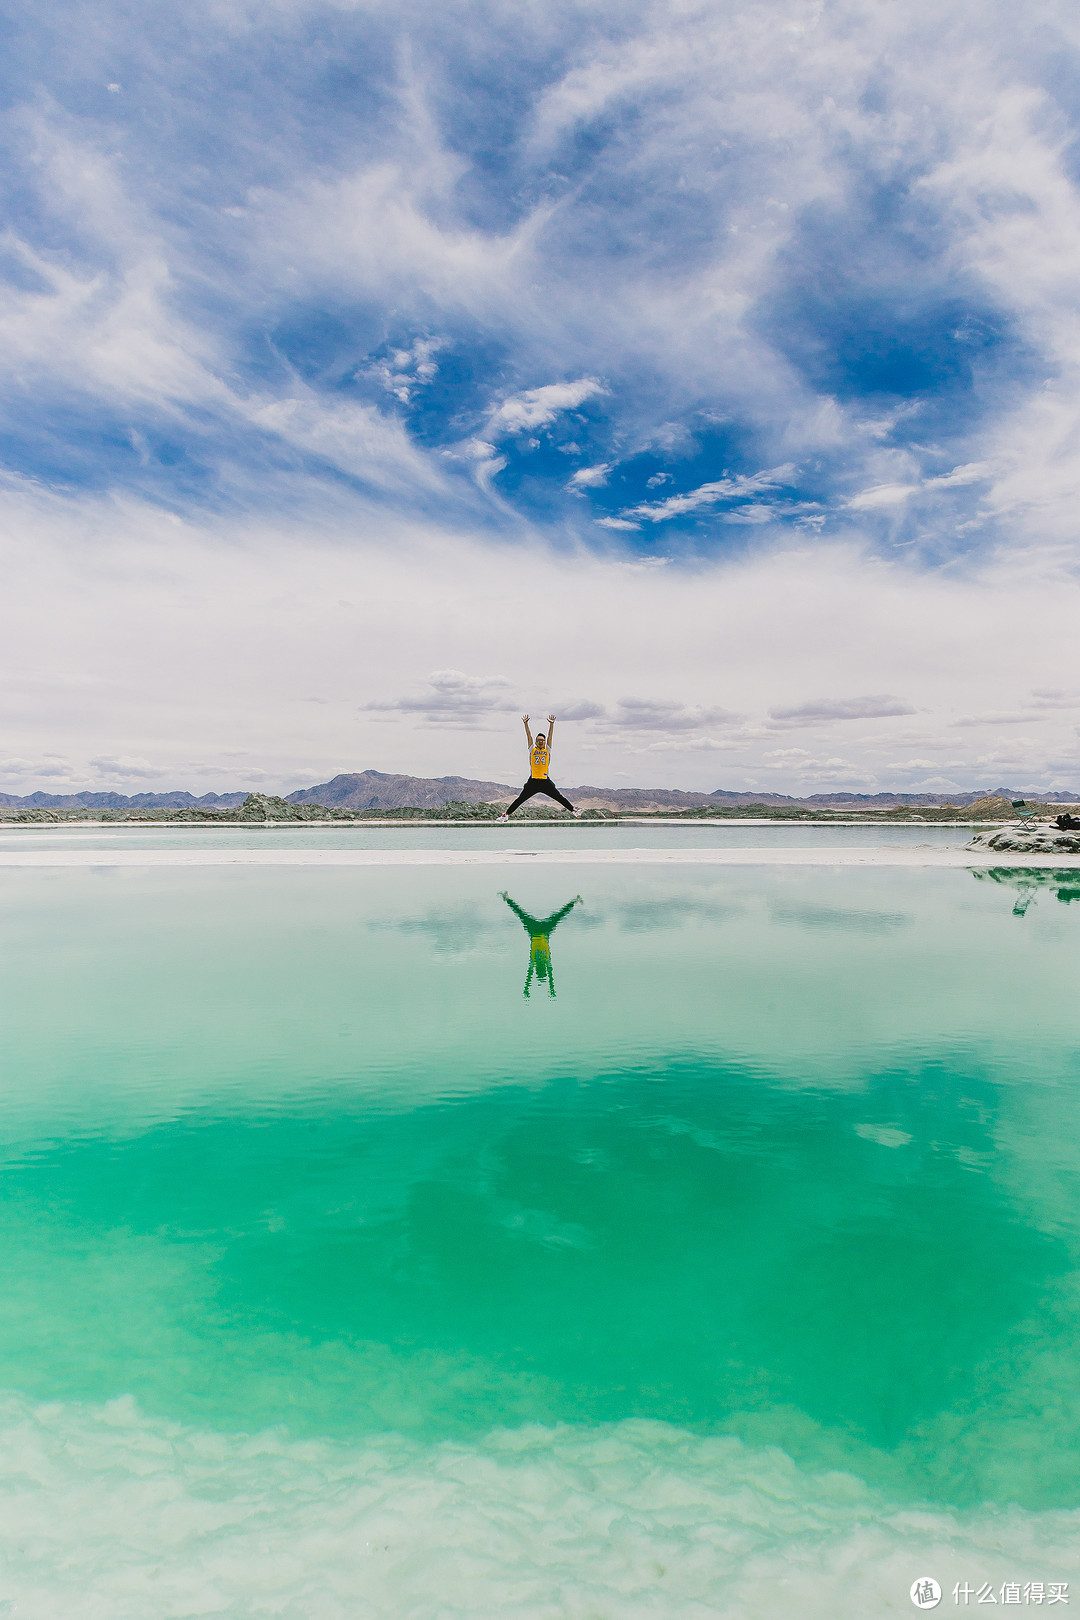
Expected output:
(121, 801)
(375, 790)
(380, 790)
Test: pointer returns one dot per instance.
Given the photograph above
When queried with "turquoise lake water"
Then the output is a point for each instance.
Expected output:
(585, 835)
(350, 1271)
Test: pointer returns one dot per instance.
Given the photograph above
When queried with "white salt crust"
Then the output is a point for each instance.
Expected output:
(110, 1515)
(829, 856)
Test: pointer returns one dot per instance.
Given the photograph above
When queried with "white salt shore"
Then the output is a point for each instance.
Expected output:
(111, 1512)
(922, 856)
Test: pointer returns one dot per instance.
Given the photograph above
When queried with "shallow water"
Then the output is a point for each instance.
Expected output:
(583, 835)
(739, 1276)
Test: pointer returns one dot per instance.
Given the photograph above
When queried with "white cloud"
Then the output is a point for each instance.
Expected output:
(114, 615)
(538, 407)
(896, 494)
(451, 697)
(1054, 699)
(689, 746)
(722, 489)
(1001, 718)
(590, 477)
(753, 515)
(882, 495)
(354, 437)
(103, 314)
(50, 768)
(652, 714)
(824, 770)
(974, 472)
(485, 459)
(829, 709)
(758, 120)
(404, 371)
(125, 768)
(579, 709)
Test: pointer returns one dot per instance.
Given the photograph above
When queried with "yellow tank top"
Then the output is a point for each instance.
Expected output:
(540, 758)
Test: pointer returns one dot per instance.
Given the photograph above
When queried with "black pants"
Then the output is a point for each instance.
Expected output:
(538, 784)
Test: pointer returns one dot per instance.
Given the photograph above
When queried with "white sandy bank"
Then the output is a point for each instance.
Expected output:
(113, 1515)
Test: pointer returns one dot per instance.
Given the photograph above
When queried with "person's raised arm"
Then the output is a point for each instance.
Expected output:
(551, 731)
(528, 733)
(549, 924)
(531, 924)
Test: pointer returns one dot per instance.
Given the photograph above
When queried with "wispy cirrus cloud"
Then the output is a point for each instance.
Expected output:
(124, 768)
(997, 718)
(451, 697)
(360, 250)
(821, 711)
(659, 714)
(580, 709)
(886, 495)
(1054, 699)
(722, 489)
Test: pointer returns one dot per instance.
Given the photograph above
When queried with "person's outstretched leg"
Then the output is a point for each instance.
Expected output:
(544, 786)
(533, 785)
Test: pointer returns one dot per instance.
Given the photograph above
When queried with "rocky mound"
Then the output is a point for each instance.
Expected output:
(269, 807)
(1044, 839)
(992, 808)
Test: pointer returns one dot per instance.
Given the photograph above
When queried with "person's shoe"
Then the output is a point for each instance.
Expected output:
(577, 814)
(503, 817)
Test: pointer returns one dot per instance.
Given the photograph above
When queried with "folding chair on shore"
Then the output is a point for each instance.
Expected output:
(1024, 816)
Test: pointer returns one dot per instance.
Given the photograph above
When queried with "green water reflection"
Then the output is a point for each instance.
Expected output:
(831, 1206)
(540, 930)
(1063, 885)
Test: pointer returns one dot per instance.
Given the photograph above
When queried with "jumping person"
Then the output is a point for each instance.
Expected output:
(539, 761)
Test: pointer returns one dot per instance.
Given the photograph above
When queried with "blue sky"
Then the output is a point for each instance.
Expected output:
(708, 372)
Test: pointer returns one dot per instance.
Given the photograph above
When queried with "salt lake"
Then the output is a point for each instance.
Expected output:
(535, 1240)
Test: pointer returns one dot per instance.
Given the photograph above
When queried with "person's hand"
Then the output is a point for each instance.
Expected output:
(525, 718)
(551, 719)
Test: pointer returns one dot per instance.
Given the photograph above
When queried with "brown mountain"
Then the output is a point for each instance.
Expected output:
(597, 798)
(378, 790)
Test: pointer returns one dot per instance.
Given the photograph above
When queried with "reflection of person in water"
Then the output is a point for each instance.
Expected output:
(540, 930)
